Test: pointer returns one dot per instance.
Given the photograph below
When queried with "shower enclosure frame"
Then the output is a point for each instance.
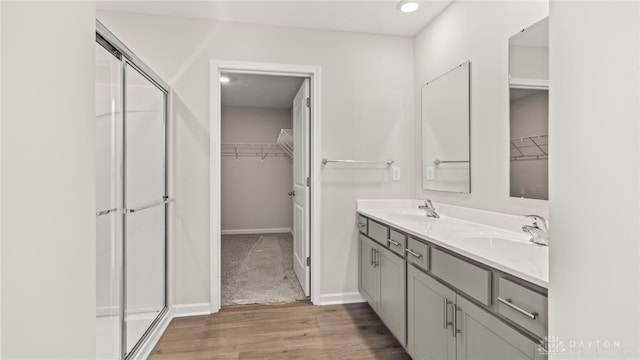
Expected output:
(111, 43)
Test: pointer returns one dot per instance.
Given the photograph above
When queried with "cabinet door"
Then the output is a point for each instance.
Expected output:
(429, 317)
(391, 305)
(369, 272)
(483, 336)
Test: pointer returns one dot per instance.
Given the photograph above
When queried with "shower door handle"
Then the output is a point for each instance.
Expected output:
(163, 202)
(105, 212)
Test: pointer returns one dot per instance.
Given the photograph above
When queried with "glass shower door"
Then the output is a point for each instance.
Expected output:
(131, 199)
(145, 201)
(108, 204)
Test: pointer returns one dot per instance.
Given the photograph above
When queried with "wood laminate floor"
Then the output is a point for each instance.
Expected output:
(296, 330)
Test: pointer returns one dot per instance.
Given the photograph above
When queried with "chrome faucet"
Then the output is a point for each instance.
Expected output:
(539, 230)
(430, 210)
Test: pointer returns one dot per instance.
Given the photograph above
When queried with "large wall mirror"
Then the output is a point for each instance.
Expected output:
(445, 132)
(529, 112)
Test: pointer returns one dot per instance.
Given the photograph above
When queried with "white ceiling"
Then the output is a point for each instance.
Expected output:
(260, 91)
(377, 16)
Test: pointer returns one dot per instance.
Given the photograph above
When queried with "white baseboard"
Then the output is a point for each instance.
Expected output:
(191, 309)
(340, 298)
(256, 231)
(145, 349)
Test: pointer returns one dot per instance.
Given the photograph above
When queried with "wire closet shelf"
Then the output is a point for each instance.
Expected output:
(261, 150)
(530, 148)
(389, 162)
(285, 141)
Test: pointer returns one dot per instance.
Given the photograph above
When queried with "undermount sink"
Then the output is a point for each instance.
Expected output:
(413, 212)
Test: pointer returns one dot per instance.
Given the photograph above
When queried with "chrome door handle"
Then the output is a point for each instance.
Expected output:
(376, 257)
(446, 305)
(165, 201)
(456, 331)
(509, 303)
(292, 193)
(393, 242)
(414, 253)
(105, 212)
(372, 261)
(446, 313)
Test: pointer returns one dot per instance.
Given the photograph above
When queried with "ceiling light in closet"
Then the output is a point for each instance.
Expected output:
(408, 6)
(224, 79)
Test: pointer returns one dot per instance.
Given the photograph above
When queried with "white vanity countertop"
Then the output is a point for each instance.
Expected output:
(491, 238)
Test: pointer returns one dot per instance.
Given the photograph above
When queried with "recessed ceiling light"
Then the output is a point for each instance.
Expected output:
(224, 79)
(408, 6)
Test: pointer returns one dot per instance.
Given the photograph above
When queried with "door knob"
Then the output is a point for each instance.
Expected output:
(292, 193)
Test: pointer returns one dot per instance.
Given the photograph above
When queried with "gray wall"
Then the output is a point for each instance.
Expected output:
(477, 31)
(48, 180)
(254, 191)
(367, 113)
(594, 187)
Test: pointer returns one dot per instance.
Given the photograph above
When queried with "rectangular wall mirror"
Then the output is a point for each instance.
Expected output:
(445, 132)
(529, 112)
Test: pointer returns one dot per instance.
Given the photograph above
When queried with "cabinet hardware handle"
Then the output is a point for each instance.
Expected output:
(394, 243)
(456, 331)
(414, 253)
(509, 303)
(362, 225)
(377, 258)
(446, 313)
(371, 257)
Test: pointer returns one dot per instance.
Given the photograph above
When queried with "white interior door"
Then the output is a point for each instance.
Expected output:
(301, 123)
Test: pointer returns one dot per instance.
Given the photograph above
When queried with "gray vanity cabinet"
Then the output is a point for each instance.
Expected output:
(429, 317)
(483, 336)
(443, 306)
(435, 332)
(391, 306)
(369, 278)
(382, 283)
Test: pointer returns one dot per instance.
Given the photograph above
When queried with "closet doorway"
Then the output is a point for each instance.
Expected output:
(262, 177)
(263, 188)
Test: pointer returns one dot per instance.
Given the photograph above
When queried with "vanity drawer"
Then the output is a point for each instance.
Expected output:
(399, 239)
(378, 232)
(362, 224)
(523, 306)
(468, 278)
(417, 253)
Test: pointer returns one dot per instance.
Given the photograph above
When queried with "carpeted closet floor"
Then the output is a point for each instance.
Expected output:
(258, 269)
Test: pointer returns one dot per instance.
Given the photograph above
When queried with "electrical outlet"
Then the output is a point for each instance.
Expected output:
(396, 173)
(430, 175)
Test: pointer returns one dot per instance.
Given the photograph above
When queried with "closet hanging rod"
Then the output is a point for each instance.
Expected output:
(388, 162)
(251, 145)
(255, 155)
(438, 162)
(149, 206)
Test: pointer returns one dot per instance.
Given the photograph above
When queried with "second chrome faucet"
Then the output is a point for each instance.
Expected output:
(538, 230)
(429, 209)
